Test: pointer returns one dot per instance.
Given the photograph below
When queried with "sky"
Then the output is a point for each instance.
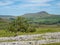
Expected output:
(20, 7)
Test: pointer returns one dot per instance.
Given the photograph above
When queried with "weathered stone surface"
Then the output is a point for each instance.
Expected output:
(31, 42)
(48, 38)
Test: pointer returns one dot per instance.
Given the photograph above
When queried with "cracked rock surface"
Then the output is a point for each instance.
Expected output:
(35, 39)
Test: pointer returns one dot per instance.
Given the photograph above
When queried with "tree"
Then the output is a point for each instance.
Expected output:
(20, 24)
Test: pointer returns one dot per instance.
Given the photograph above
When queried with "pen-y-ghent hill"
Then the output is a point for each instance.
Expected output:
(43, 18)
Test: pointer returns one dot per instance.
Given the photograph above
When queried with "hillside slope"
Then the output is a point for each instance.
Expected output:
(3, 23)
(42, 18)
(4, 20)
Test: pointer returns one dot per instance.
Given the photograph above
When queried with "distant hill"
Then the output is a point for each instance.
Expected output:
(35, 15)
(42, 18)
(9, 17)
(3, 23)
(5, 16)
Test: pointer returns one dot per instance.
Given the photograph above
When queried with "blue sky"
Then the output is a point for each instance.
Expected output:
(19, 7)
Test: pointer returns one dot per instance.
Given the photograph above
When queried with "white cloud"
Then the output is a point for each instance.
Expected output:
(36, 3)
(7, 2)
(32, 2)
(39, 1)
(3, 3)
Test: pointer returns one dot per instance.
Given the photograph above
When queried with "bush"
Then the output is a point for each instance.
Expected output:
(21, 24)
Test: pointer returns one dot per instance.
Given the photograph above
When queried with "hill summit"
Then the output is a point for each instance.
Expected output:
(43, 12)
(36, 15)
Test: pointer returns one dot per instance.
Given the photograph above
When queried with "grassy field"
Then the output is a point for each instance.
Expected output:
(52, 44)
(41, 29)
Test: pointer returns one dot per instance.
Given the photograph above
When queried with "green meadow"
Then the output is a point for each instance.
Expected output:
(52, 44)
(39, 30)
